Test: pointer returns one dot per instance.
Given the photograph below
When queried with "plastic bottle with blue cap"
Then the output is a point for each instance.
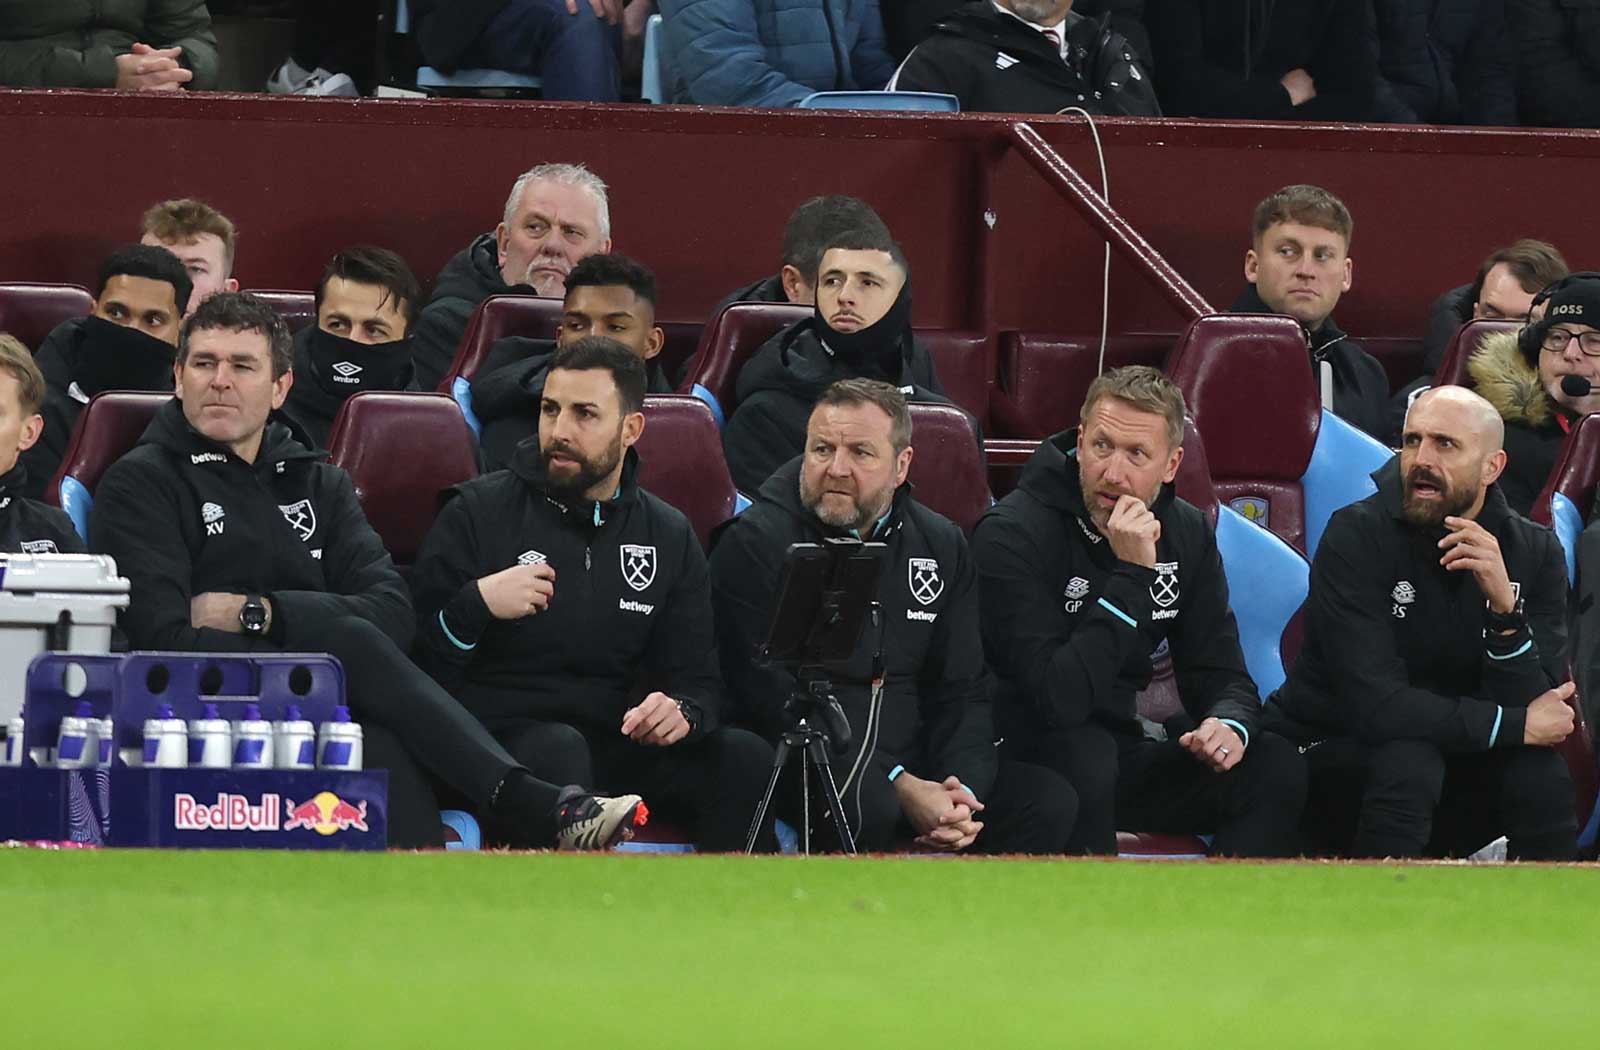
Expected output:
(339, 742)
(295, 743)
(252, 742)
(210, 740)
(166, 740)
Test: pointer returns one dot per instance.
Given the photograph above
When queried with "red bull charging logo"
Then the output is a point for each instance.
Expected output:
(325, 813)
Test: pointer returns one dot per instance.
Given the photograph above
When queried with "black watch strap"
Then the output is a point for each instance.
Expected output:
(1514, 620)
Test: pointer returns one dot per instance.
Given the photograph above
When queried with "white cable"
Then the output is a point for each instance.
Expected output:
(1105, 194)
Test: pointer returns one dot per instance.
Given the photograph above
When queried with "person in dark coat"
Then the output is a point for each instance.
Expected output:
(1030, 56)
(1444, 62)
(907, 23)
(860, 328)
(131, 45)
(1557, 44)
(556, 214)
(922, 750)
(366, 303)
(607, 295)
(1426, 695)
(1264, 60)
(1299, 265)
(26, 526)
(573, 50)
(126, 344)
(810, 229)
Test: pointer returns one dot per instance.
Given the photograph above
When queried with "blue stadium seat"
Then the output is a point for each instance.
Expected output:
(913, 101)
(462, 79)
(652, 81)
(1339, 474)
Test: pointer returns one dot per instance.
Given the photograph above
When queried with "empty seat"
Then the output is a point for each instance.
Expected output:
(1041, 378)
(402, 451)
(298, 309)
(1276, 456)
(947, 469)
(680, 460)
(906, 101)
(109, 426)
(1452, 369)
(30, 311)
(499, 316)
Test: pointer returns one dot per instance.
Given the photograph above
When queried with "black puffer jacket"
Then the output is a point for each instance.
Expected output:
(30, 527)
(1445, 62)
(470, 277)
(907, 23)
(1225, 58)
(1536, 426)
(1558, 61)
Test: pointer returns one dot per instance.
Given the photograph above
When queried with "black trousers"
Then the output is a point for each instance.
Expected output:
(1028, 810)
(410, 724)
(711, 784)
(1406, 798)
(1253, 810)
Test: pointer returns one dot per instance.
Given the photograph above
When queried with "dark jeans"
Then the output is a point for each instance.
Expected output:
(575, 55)
(339, 35)
(1126, 782)
(1405, 798)
(712, 784)
(410, 724)
(1028, 810)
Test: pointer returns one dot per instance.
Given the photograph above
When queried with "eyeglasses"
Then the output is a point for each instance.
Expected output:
(1556, 341)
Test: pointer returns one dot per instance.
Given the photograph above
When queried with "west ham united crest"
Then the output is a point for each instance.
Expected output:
(302, 518)
(638, 565)
(926, 583)
(1164, 592)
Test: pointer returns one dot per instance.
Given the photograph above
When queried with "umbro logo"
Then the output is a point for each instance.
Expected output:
(1003, 60)
(211, 514)
(1404, 593)
(198, 458)
(1077, 587)
(531, 558)
(346, 372)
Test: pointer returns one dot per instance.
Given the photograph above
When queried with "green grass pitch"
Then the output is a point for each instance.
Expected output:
(240, 949)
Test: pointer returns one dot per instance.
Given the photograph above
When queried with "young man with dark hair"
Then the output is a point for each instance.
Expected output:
(923, 751)
(569, 610)
(860, 328)
(201, 237)
(1426, 696)
(126, 344)
(26, 526)
(810, 229)
(366, 302)
(236, 537)
(607, 295)
(1090, 570)
(1299, 265)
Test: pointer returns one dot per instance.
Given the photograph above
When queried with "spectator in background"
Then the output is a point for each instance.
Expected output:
(331, 51)
(772, 52)
(810, 229)
(130, 45)
(607, 295)
(556, 214)
(571, 45)
(1290, 60)
(366, 302)
(860, 328)
(907, 23)
(126, 344)
(1444, 62)
(1521, 373)
(1557, 46)
(26, 526)
(1299, 265)
(1503, 291)
(203, 240)
(1030, 56)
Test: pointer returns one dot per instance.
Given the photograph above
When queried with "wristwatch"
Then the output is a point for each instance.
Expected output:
(690, 712)
(253, 617)
(1505, 622)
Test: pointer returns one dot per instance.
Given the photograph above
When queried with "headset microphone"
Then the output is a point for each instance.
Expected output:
(1576, 386)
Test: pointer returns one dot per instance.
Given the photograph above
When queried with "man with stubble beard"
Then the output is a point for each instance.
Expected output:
(1427, 697)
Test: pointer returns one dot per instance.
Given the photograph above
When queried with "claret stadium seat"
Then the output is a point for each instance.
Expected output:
(1276, 456)
(499, 316)
(298, 309)
(110, 425)
(947, 472)
(402, 451)
(29, 311)
(1452, 369)
(1041, 378)
(680, 460)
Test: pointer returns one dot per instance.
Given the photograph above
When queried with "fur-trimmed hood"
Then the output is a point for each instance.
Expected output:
(1509, 383)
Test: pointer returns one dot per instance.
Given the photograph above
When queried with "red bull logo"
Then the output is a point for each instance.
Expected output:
(229, 813)
(325, 813)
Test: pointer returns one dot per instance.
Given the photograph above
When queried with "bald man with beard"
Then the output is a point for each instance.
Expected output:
(1427, 697)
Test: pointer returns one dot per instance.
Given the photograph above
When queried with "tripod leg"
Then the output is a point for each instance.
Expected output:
(817, 752)
(780, 755)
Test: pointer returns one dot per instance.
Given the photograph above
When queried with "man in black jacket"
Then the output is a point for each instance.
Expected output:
(1030, 56)
(923, 749)
(1262, 60)
(26, 526)
(1299, 264)
(1091, 569)
(126, 344)
(1557, 46)
(860, 327)
(556, 214)
(570, 610)
(1444, 62)
(235, 537)
(1435, 631)
(366, 303)
(1504, 289)
(607, 295)
(811, 229)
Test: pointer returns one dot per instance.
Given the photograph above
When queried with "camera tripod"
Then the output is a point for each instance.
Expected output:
(812, 699)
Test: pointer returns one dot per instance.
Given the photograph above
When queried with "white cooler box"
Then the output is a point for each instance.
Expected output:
(53, 603)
